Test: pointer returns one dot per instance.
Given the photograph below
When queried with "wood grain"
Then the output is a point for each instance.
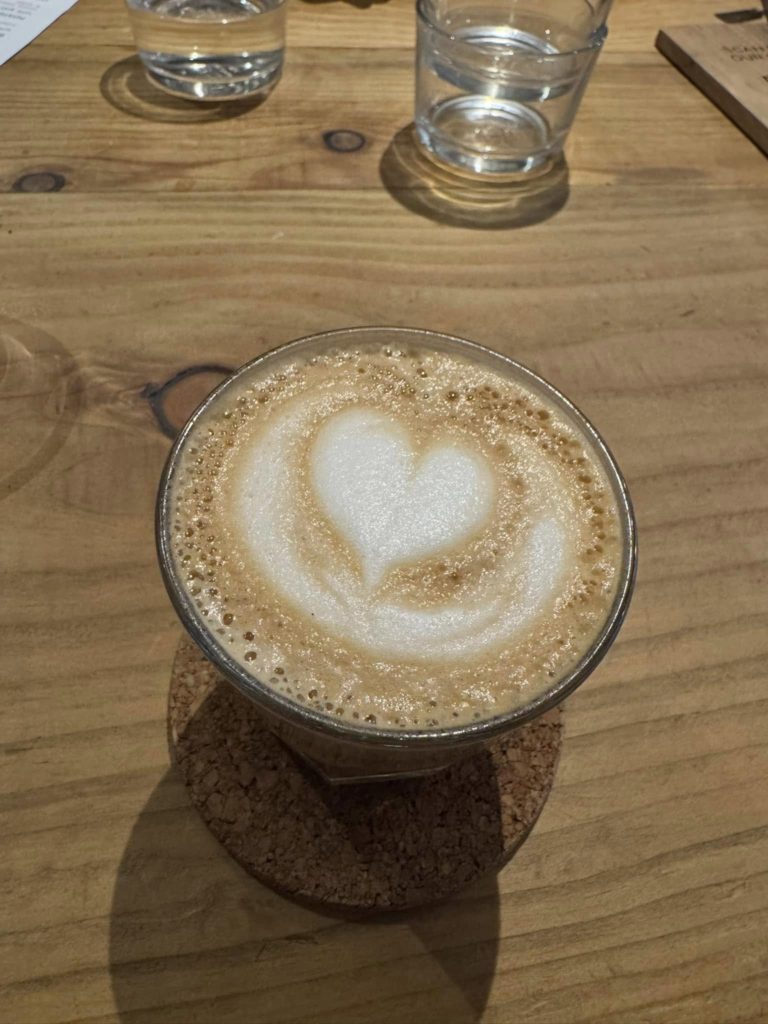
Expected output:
(642, 895)
(108, 130)
(128, 136)
(373, 24)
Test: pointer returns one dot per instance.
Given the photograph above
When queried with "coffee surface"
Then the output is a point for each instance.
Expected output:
(397, 536)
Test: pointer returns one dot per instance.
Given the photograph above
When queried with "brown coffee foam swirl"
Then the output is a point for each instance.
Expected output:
(463, 631)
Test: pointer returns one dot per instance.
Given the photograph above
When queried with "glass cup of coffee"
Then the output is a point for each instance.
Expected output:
(400, 545)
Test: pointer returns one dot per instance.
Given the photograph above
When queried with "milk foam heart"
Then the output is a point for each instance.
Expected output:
(406, 538)
(390, 504)
(340, 598)
(359, 456)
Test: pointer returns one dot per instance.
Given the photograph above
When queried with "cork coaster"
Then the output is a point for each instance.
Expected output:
(371, 846)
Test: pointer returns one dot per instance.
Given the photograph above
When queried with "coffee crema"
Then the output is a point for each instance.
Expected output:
(394, 535)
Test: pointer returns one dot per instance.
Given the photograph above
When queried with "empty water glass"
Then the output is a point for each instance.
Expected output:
(210, 49)
(498, 82)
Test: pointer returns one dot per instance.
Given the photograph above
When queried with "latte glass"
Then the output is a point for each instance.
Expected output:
(341, 750)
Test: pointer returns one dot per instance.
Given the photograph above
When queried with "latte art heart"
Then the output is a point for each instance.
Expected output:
(370, 485)
(401, 538)
(390, 504)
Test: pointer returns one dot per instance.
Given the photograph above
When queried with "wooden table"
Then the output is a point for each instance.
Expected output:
(140, 236)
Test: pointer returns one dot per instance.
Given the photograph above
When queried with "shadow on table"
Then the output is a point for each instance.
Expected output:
(193, 937)
(461, 201)
(127, 88)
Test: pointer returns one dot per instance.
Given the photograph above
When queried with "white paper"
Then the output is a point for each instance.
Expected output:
(21, 21)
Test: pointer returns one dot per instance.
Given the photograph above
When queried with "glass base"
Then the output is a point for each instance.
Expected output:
(486, 136)
(225, 79)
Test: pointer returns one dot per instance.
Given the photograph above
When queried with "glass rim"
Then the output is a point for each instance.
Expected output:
(596, 40)
(317, 721)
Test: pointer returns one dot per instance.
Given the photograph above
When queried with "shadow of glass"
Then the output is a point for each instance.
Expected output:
(127, 88)
(462, 201)
(463, 938)
(193, 937)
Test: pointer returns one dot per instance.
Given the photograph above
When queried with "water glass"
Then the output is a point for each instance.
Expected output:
(498, 82)
(210, 49)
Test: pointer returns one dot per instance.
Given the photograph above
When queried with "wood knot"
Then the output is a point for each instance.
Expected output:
(173, 402)
(40, 181)
(343, 140)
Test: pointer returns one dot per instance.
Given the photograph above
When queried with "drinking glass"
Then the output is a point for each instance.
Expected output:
(210, 49)
(341, 750)
(499, 82)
